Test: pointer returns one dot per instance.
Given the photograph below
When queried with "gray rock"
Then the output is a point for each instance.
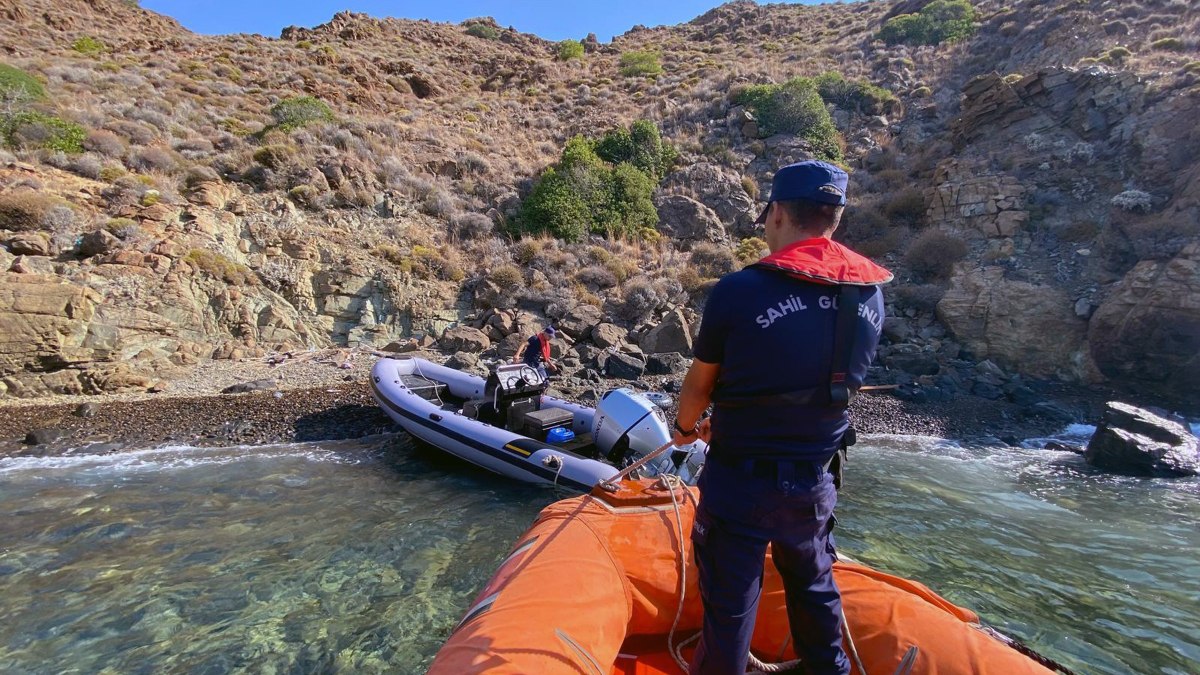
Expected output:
(624, 366)
(687, 221)
(464, 361)
(672, 334)
(897, 329)
(668, 363)
(97, 242)
(1134, 441)
(29, 243)
(246, 387)
(1055, 411)
(44, 436)
(607, 335)
(912, 359)
(86, 410)
(579, 320)
(464, 339)
(987, 390)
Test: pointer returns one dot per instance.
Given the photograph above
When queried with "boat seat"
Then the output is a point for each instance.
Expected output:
(430, 390)
(472, 407)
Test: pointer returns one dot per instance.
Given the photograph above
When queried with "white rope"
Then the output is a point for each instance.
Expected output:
(850, 641)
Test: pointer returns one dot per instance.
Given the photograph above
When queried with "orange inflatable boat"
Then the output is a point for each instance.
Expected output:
(594, 587)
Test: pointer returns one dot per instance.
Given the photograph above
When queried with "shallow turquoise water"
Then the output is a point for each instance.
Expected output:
(360, 557)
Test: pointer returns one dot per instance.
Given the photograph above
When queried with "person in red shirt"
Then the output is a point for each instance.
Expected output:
(535, 352)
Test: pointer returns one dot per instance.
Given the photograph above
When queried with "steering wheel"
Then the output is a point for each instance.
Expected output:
(526, 374)
(529, 375)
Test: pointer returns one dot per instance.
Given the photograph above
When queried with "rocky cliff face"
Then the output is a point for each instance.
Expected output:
(1056, 147)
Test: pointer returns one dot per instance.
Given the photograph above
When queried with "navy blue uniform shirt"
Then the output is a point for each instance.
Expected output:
(533, 352)
(772, 334)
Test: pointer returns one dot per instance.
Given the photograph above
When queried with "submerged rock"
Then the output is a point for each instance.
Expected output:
(1134, 441)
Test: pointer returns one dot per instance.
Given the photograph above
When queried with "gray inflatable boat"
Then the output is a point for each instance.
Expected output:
(507, 424)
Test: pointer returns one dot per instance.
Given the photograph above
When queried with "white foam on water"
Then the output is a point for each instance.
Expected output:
(1078, 431)
(167, 457)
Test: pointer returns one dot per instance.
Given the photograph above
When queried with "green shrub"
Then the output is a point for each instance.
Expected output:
(750, 250)
(297, 111)
(483, 30)
(640, 145)
(217, 265)
(794, 107)
(31, 129)
(641, 64)
(1192, 67)
(1170, 44)
(932, 255)
(1116, 55)
(570, 49)
(858, 95)
(584, 194)
(274, 156)
(507, 277)
(89, 46)
(17, 85)
(939, 21)
(390, 253)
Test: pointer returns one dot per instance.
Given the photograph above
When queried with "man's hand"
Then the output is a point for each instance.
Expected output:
(704, 429)
(683, 437)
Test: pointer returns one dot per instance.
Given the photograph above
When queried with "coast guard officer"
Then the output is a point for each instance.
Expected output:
(783, 346)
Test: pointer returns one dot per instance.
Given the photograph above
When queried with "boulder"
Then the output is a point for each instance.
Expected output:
(44, 323)
(687, 221)
(98, 242)
(507, 348)
(44, 436)
(667, 363)
(464, 361)
(579, 320)
(464, 339)
(213, 194)
(1148, 329)
(721, 190)
(606, 335)
(912, 359)
(247, 387)
(1134, 441)
(30, 243)
(672, 334)
(86, 410)
(1029, 326)
(624, 366)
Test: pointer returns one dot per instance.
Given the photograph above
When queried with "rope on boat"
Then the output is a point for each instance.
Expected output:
(610, 484)
(671, 483)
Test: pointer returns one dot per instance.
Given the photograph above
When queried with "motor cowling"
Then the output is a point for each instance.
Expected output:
(628, 426)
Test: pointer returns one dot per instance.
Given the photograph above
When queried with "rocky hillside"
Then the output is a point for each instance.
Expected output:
(1035, 185)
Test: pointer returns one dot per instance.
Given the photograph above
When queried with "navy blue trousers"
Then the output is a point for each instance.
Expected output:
(742, 509)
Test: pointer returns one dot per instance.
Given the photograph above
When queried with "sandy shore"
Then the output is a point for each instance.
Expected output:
(328, 398)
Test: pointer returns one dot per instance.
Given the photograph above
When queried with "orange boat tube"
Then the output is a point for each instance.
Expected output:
(594, 588)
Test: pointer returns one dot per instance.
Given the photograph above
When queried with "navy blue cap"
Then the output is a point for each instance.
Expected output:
(813, 180)
(549, 331)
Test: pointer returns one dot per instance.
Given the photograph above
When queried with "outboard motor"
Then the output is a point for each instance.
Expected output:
(628, 426)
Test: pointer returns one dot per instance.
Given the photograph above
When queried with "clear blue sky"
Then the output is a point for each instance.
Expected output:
(551, 19)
